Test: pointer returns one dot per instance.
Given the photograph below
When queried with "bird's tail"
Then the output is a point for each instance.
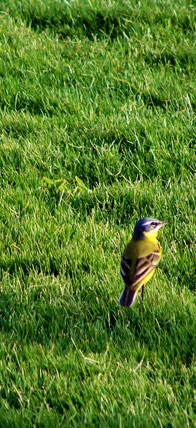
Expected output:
(127, 297)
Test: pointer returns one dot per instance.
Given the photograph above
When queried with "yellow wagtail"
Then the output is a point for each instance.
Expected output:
(140, 258)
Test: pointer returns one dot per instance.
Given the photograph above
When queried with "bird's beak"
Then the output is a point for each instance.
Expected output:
(163, 223)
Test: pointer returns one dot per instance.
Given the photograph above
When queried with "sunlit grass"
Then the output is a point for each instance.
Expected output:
(97, 130)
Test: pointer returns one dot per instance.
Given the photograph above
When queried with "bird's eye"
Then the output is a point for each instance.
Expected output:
(153, 223)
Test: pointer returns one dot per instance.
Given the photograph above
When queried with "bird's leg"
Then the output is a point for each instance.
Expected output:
(142, 293)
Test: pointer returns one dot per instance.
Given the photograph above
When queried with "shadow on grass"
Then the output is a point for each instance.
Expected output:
(25, 265)
(90, 20)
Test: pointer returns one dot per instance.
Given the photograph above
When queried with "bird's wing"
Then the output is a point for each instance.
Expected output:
(127, 269)
(134, 272)
(144, 266)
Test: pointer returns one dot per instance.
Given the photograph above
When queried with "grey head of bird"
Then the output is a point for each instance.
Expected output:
(147, 226)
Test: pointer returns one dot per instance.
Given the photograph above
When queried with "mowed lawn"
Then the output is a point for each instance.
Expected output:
(97, 130)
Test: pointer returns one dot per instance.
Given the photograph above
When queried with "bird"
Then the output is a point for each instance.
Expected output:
(140, 258)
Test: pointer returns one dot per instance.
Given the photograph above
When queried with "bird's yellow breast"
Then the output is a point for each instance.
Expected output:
(142, 248)
(151, 235)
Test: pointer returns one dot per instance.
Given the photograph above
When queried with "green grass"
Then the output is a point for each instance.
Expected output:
(97, 130)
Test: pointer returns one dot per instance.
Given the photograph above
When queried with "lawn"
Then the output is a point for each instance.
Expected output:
(97, 130)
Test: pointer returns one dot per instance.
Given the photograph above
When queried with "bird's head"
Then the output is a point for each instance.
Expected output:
(147, 228)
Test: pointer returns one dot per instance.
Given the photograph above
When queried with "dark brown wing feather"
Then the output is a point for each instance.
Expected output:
(126, 269)
(131, 274)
